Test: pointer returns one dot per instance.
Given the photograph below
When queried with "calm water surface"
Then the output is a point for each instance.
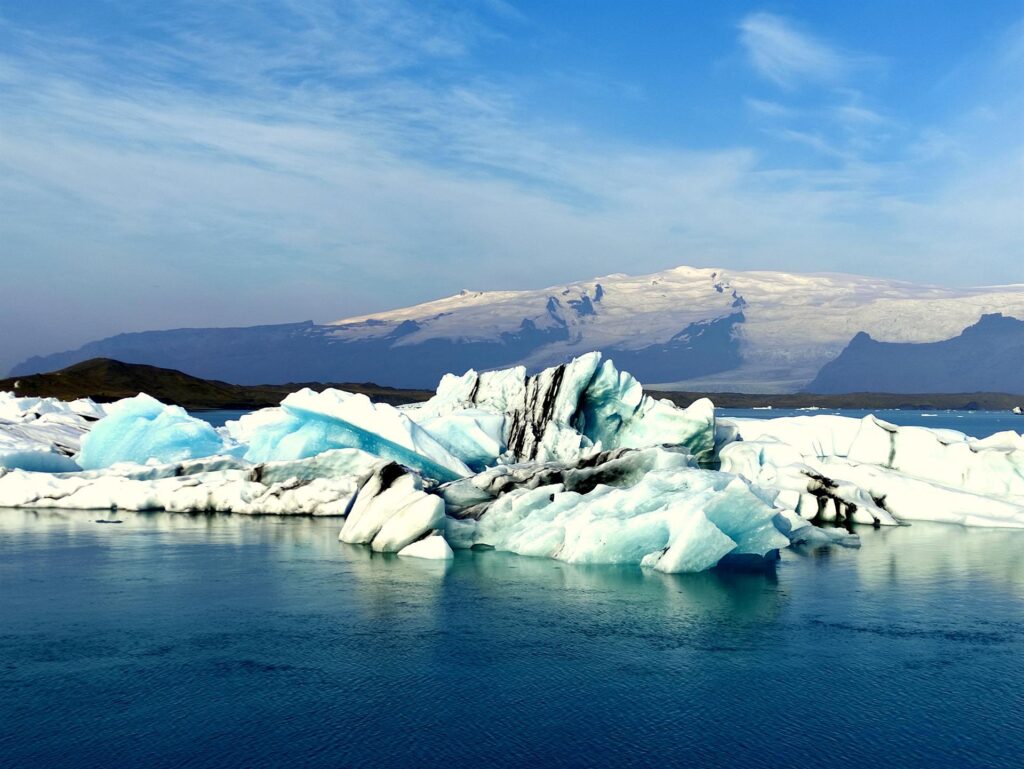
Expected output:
(214, 641)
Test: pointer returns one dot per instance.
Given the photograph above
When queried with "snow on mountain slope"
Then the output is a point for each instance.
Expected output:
(710, 330)
(786, 325)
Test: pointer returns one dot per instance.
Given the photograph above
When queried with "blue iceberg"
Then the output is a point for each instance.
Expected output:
(142, 429)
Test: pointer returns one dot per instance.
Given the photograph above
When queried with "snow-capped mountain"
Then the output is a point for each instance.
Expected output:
(693, 328)
(686, 328)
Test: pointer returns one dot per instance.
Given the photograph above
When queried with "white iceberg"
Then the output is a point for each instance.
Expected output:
(392, 511)
(434, 547)
(43, 434)
(871, 471)
(323, 485)
(565, 412)
(671, 518)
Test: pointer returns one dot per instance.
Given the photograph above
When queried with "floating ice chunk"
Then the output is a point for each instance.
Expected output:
(818, 494)
(697, 546)
(322, 485)
(87, 409)
(993, 467)
(914, 499)
(308, 422)
(871, 471)
(43, 434)
(434, 547)
(142, 429)
(694, 517)
(14, 408)
(391, 510)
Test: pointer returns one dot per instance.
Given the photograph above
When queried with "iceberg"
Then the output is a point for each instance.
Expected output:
(566, 412)
(323, 485)
(575, 463)
(392, 511)
(645, 508)
(869, 471)
(308, 423)
(142, 429)
(434, 547)
(43, 434)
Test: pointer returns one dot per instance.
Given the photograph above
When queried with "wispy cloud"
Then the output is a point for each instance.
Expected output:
(789, 57)
(771, 109)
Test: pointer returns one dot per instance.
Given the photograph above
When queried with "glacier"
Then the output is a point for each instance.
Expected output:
(575, 463)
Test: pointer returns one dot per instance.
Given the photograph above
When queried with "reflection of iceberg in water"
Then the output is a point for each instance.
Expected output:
(620, 601)
(148, 530)
(626, 595)
(933, 556)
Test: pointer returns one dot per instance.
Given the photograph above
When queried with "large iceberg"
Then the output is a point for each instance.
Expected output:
(646, 507)
(575, 463)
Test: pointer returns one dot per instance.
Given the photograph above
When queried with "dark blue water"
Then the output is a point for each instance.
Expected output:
(214, 641)
(980, 424)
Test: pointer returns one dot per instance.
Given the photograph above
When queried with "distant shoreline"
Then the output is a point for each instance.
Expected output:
(907, 401)
(104, 380)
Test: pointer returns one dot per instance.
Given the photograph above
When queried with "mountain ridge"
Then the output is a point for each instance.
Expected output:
(696, 329)
(986, 355)
(105, 380)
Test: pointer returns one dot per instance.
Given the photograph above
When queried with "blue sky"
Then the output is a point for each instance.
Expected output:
(219, 163)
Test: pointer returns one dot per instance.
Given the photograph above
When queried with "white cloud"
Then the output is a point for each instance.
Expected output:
(771, 109)
(789, 57)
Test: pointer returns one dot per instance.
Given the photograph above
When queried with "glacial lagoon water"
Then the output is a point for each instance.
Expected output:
(216, 641)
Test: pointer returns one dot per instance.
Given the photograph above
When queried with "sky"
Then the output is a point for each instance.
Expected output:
(206, 163)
